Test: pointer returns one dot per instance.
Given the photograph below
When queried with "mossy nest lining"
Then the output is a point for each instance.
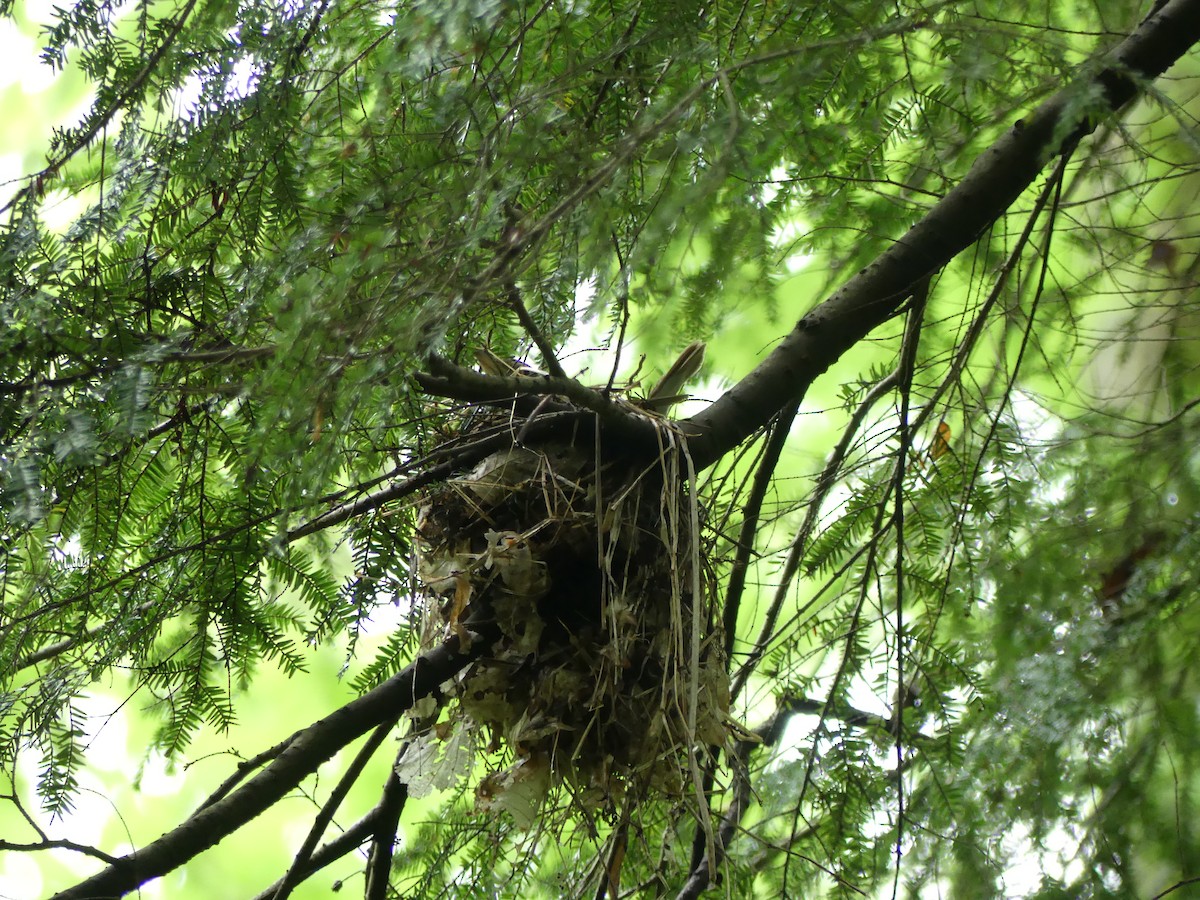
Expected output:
(608, 672)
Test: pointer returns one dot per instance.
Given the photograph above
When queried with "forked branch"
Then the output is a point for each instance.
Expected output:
(304, 754)
(998, 177)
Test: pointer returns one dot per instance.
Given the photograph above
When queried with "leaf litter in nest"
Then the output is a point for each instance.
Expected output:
(608, 674)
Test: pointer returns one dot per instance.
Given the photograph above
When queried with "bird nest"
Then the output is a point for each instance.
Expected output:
(608, 672)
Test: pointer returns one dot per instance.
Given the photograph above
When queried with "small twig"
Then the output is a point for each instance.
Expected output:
(907, 367)
(763, 476)
(610, 874)
(1176, 886)
(846, 663)
(704, 822)
(701, 871)
(293, 876)
(379, 861)
(519, 440)
(531, 328)
(791, 566)
(59, 845)
(391, 805)
(220, 355)
(967, 345)
(847, 715)
(623, 306)
(57, 649)
(350, 839)
(15, 800)
(446, 379)
(764, 473)
(244, 768)
(449, 380)
(374, 500)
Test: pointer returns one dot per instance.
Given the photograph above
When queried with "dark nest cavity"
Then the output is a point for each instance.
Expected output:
(607, 674)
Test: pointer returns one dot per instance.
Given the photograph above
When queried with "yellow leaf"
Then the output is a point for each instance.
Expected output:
(941, 442)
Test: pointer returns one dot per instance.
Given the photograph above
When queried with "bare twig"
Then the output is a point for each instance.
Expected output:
(306, 751)
(379, 862)
(998, 177)
(244, 768)
(391, 805)
(699, 876)
(58, 845)
(294, 873)
(449, 380)
(346, 842)
(791, 566)
(763, 477)
(553, 366)
(908, 364)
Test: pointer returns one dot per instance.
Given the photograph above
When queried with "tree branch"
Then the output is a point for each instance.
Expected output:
(763, 478)
(995, 181)
(303, 756)
(379, 862)
(57, 845)
(350, 839)
(446, 379)
(553, 366)
(295, 872)
(825, 483)
(102, 121)
(698, 878)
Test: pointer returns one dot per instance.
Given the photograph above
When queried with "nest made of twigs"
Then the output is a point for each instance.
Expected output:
(608, 670)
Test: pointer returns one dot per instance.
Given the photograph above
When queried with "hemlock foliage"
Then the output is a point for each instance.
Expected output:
(950, 527)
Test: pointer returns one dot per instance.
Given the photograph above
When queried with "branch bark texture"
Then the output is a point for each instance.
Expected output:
(304, 755)
(993, 184)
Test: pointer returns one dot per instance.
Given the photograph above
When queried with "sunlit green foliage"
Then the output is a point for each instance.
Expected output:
(215, 293)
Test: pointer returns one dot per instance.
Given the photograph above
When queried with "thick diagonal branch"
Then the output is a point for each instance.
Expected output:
(995, 181)
(302, 757)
